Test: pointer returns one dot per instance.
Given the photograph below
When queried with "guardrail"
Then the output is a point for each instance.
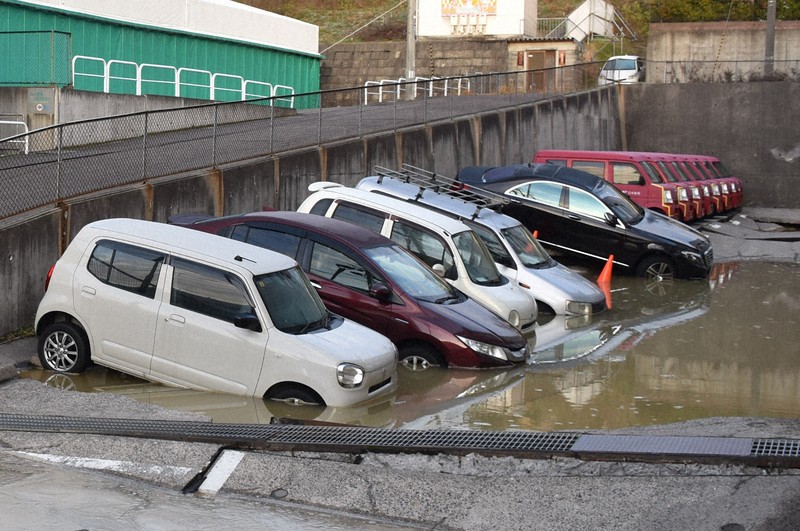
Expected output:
(145, 79)
(18, 137)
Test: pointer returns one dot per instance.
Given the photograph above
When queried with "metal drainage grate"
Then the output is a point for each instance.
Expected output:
(776, 447)
(315, 438)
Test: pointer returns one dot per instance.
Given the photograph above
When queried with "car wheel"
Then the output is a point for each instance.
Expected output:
(63, 348)
(656, 271)
(420, 357)
(296, 396)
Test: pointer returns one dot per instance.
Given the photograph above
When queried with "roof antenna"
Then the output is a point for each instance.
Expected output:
(240, 258)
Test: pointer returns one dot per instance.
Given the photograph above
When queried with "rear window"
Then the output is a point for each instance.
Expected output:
(126, 267)
(360, 216)
(269, 239)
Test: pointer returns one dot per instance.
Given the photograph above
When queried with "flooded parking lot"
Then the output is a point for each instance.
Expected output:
(727, 346)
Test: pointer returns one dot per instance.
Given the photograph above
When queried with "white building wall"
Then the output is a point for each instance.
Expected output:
(507, 18)
(220, 18)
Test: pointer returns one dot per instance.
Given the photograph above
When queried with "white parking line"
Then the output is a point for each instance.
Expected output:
(106, 464)
(220, 471)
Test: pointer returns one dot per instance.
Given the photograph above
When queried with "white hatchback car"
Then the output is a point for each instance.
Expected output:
(621, 69)
(451, 248)
(516, 252)
(190, 309)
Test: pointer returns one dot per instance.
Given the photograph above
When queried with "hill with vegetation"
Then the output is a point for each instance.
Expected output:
(374, 20)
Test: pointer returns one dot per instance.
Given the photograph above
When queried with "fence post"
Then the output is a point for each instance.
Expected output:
(214, 137)
(144, 147)
(58, 163)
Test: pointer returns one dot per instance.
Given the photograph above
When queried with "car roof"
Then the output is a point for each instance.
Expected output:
(520, 173)
(336, 229)
(397, 207)
(191, 243)
(438, 201)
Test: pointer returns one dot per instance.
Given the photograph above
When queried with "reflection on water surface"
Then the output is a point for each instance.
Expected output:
(729, 346)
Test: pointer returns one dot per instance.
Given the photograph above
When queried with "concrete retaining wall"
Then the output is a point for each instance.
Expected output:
(34, 241)
(751, 127)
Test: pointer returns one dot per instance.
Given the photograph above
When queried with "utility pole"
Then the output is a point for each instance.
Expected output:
(769, 44)
(411, 48)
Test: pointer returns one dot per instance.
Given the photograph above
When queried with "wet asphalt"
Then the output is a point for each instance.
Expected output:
(451, 491)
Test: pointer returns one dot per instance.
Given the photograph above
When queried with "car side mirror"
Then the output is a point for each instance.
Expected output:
(611, 219)
(439, 270)
(380, 291)
(248, 322)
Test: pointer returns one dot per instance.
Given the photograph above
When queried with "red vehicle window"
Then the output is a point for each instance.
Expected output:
(589, 166)
(624, 173)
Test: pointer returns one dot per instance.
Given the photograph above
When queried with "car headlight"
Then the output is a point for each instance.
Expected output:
(579, 308)
(706, 191)
(715, 188)
(513, 318)
(485, 348)
(692, 257)
(725, 188)
(668, 197)
(682, 195)
(695, 192)
(349, 375)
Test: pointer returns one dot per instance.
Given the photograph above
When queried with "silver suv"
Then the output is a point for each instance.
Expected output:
(516, 252)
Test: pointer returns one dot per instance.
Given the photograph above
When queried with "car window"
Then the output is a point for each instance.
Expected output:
(590, 166)
(478, 262)
(126, 267)
(333, 265)
(530, 251)
(667, 172)
(429, 247)
(306, 312)
(546, 193)
(321, 207)
(652, 172)
(557, 162)
(626, 173)
(586, 204)
(274, 240)
(413, 277)
(360, 216)
(209, 291)
(495, 246)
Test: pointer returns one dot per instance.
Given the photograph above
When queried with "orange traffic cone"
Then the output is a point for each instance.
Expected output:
(604, 280)
(536, 235)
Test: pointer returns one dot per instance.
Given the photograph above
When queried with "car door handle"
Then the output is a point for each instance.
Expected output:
(574, 217)
(316, 285)
(179, 319)
(88, 291)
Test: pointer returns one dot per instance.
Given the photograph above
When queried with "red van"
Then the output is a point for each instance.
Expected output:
(731, 185)
(669, 166)
(634, 173)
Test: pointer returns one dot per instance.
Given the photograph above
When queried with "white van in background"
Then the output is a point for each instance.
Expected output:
(622, 69)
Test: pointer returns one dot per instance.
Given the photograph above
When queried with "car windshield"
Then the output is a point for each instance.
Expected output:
(414, 278)
(620, 204)
(530, 252)
(621, 64)
(477, 260)
(292, 302)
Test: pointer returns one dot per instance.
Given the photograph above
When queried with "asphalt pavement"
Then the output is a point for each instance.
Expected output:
(447, 491)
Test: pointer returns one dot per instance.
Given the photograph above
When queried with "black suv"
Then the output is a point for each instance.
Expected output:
(582, 214)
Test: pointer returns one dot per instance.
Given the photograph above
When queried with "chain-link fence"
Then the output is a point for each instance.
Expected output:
(67, 160)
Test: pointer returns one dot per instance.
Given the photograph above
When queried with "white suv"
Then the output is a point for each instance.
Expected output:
(190, 309)
(451, 248)
(515, 251)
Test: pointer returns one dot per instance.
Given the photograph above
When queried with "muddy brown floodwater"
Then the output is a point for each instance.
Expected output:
(728, 346)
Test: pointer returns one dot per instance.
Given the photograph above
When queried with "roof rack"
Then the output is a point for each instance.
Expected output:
(427, 180)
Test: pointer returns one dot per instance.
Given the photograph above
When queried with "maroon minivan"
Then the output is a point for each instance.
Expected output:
(370, 279)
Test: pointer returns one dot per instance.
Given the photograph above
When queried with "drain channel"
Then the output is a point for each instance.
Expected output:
(783, 453)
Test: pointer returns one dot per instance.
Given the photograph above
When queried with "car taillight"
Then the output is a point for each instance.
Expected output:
(49, 276)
